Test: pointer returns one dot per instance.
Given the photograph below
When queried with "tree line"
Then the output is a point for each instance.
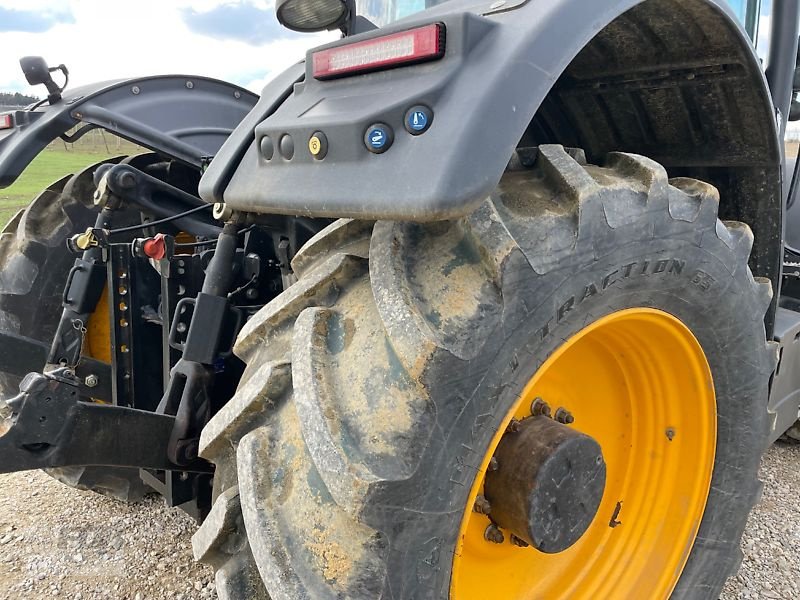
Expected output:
(16, 99)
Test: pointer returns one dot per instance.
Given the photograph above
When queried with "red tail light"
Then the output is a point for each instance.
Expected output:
(6, 122)
(393, 50)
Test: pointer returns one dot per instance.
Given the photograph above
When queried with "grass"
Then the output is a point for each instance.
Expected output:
(50, 166)
(56, 161)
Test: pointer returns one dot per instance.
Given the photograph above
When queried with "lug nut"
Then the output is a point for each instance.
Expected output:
(493, 466)
(493, 534)
(482, 506)
(564, 416)
(540, 408)
(513, 426)
(91, 381)
(519, 542)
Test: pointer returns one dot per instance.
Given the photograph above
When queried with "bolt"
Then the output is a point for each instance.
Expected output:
(251, 294)
(221, 212)
(519, 542)
(184, 476)
(188, 451)
(237, 94)
(670, 433)
(493, 466)
(513, 426)
(189, 85)
(540, 407)
(135, 90)
(493, 534)
(564, 416)
(127, 180)
(482, 506)
(91, 381)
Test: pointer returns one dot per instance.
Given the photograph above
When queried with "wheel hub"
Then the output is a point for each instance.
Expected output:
(548, 485)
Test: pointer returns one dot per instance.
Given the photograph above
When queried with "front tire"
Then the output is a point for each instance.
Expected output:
(378, 385)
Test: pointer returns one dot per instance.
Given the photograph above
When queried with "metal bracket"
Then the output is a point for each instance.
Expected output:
(159, 198)
(20, 354)
(50, 426)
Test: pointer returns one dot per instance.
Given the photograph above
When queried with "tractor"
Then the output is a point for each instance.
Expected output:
(484, 300)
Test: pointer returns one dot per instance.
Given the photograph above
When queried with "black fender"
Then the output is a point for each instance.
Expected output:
(676, 80)
(498, 70)
(183, 117)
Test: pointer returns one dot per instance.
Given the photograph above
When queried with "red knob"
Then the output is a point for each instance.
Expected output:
(155, 247)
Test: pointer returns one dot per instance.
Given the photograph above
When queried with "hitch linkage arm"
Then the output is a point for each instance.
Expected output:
(187, 395)
(48, 426)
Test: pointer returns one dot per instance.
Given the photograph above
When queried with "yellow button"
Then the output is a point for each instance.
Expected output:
(318, 145)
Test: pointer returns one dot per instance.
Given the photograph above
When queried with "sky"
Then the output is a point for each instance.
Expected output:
(236, 40)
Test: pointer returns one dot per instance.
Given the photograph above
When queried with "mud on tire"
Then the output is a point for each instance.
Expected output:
(375, 384)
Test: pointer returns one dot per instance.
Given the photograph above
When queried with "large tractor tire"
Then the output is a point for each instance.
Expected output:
(34, 264)
(393, 418)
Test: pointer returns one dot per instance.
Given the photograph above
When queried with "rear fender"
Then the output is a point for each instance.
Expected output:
(499, 67)
(675, 80)
(185, 118)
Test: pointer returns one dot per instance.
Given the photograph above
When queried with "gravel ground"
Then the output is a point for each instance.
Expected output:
(771, 543)
(59, 542)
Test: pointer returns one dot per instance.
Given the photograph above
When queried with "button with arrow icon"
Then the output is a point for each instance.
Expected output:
(378, 138)
(418, 119)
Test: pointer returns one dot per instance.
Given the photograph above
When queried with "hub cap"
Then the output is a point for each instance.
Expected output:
(640, 391)
(548, 483)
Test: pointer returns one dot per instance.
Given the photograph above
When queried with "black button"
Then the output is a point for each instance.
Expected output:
(379, 138)
(267, 147)
(318, 145)
(418, 119)
(287, 147)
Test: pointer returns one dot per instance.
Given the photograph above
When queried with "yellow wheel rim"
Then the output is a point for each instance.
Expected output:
(638, 382)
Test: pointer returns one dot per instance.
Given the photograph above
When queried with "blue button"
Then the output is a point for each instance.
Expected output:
(378, 138)
(418, 119)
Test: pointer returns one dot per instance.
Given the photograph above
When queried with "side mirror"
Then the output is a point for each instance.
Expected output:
(38, 73)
